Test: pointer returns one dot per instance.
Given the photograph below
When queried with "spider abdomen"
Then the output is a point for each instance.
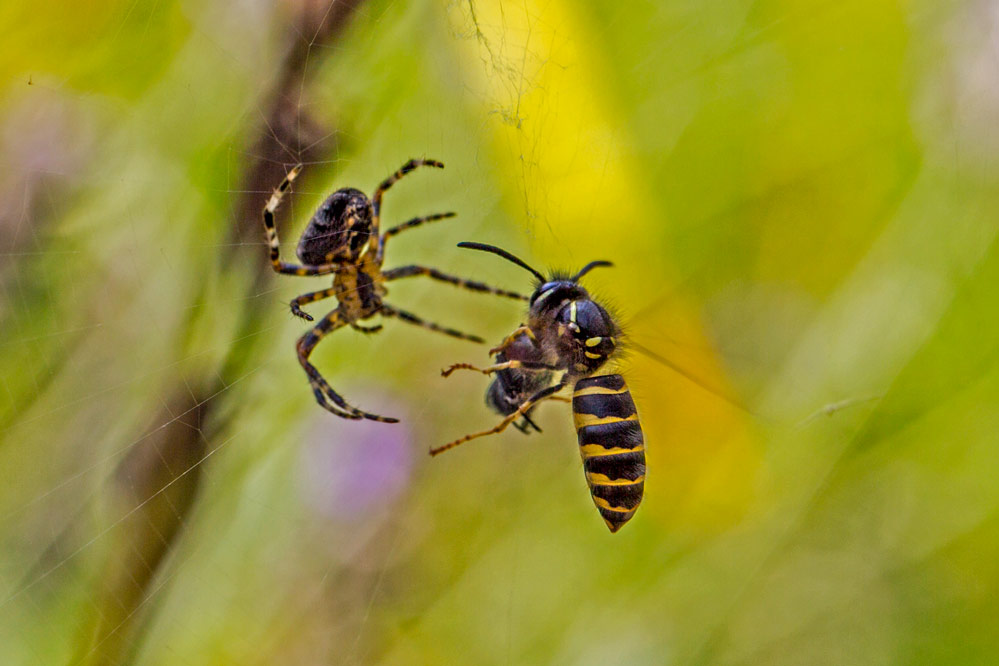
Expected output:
(339, 230)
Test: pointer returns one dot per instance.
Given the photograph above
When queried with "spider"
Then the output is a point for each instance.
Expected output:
(343, 239)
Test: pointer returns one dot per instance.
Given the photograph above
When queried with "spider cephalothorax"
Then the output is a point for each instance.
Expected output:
(343, 239)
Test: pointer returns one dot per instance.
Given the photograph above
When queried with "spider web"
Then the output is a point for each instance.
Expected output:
(171, 493)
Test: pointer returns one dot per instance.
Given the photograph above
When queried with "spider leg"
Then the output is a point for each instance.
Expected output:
(433, 273)
(415, 222)
(541, 395)
(490, 369)
(305, 299)
(365, 329)
(270, 232)
(321, 389)
(376, 200)
(389, 311)
(300, 270)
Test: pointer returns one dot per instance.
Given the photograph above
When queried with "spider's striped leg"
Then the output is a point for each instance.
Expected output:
(320, 388)
(365, 329)
(311, 297)
(490, 369)
(270, 232)
(415, 222)
(525, 407)
(376, 200)
(433, 273)
(389, 311)
(306, 270)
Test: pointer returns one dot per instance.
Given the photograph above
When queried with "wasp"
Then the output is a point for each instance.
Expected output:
(567, 339)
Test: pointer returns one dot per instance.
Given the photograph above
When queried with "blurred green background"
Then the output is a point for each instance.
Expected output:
(800, 199)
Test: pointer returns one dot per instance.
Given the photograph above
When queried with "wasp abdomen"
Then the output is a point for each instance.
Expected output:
(612, 445)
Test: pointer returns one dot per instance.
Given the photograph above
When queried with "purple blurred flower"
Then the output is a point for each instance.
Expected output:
(355, 469)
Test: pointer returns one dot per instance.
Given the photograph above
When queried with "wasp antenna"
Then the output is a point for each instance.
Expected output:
(509, 257)
(588, 267)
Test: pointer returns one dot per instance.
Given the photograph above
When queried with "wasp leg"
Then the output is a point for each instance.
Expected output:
(541, 395)
(510, 339)
(320, 388)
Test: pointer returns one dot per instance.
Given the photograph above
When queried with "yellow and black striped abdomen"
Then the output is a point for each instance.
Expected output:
(613, 448)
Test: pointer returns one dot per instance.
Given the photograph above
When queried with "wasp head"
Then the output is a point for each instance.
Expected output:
(554, 295)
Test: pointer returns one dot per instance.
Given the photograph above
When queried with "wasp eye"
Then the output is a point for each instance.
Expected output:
(541, 294)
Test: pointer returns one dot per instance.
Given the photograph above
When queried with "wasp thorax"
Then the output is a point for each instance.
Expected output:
(586, 334)
(340, 229)
(585, 319)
